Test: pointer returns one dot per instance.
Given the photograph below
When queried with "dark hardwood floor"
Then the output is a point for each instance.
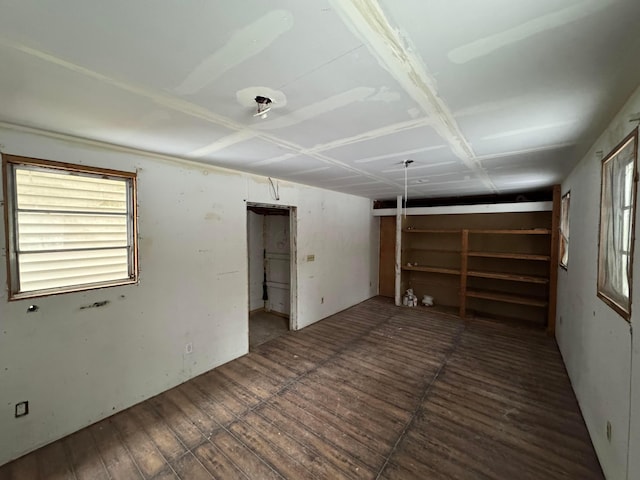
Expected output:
(375, 391)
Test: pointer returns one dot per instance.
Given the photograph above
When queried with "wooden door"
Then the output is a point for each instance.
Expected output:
(387, 275)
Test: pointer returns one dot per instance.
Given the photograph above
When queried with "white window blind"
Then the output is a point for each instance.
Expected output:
(70, 229)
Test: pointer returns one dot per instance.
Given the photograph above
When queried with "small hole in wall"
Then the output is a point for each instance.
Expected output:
(32, 308)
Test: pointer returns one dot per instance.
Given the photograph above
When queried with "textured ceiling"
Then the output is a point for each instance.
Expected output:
(486, 97)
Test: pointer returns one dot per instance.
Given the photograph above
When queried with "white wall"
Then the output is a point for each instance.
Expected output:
(340, 237)
(77, 366)
(634, 427)
(594, 340)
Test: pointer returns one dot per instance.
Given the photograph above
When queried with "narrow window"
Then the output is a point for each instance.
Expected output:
(617, 206)
(564, 229)
(70, 227)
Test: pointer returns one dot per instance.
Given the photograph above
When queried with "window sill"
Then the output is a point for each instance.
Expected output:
(79, 288)
(616, 307)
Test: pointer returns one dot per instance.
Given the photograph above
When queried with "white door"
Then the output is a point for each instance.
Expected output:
(278, 263)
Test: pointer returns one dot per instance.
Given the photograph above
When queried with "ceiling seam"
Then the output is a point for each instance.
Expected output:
(182, 106)
(66, 137)
(361, 137)
(328, 62)
(525, 151)
(366, 19)
(172, 159)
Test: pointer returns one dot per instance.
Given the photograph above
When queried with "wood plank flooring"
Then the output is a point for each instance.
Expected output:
(375, 391)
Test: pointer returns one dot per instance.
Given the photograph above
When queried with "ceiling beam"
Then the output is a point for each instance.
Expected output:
(366, 20)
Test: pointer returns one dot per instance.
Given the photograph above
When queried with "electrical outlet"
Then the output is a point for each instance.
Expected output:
(22, 409)
(188, 348)
(311, 258)
(609, 431)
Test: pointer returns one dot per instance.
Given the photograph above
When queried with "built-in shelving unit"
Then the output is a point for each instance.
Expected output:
(521, 256)
(496, 265)
(431, 262)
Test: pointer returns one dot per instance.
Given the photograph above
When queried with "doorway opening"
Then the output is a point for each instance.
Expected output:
(272, 274)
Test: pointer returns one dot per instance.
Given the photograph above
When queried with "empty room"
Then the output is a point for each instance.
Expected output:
(344, 239)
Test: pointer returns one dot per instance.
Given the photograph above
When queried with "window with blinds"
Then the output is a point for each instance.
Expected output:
(617, 213)
(70, 227)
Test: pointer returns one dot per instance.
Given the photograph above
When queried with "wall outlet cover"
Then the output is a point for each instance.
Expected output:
(22, 409)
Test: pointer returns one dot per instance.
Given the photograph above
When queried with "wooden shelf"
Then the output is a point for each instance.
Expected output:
(522, 231)
(434, 250)
(432, 230)
(494, 259)
(450, 271)
(515, 256)
(502, 297)
(508, 276)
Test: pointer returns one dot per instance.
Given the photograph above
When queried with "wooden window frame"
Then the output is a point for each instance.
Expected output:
(9, 162)
(565, 206)
(622, 310)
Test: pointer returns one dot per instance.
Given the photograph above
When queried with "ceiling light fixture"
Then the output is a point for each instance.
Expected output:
(264, 106)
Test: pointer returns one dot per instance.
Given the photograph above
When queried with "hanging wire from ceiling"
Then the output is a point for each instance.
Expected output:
(275, 189)
(406, 164)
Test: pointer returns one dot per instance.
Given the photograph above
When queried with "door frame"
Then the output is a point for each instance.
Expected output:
(293, 257)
